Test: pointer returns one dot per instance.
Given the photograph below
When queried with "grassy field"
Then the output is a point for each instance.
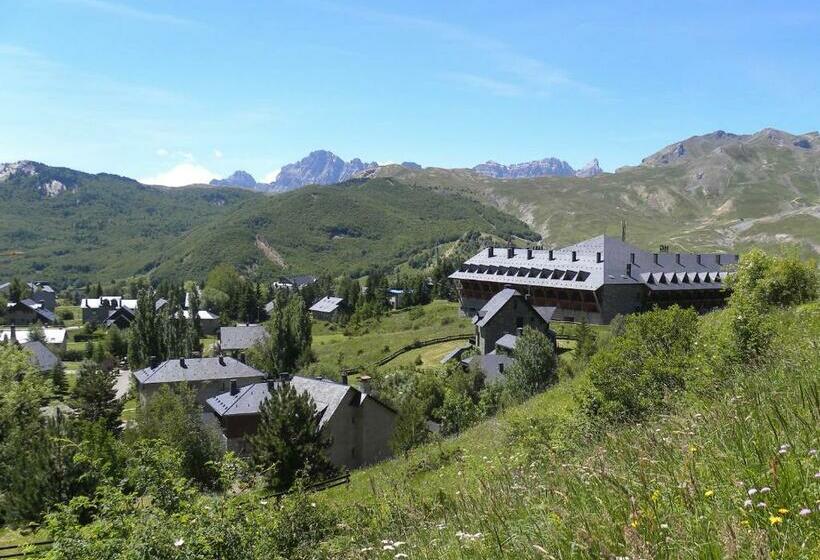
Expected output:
(337, 347)
(523, 485)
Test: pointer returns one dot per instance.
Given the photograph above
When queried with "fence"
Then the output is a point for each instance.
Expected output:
(407, 348)
(22, 550)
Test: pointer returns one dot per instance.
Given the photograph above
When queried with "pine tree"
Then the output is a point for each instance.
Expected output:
(95, 396)
(59, 379)
(288, 441)
(585, 340)
(145, 333)
(37, 333)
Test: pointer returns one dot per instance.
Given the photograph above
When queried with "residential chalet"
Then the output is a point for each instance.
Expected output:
(294, 282)
(27, 312)
(207, 376)
(41, 293)
(99, 310)
(597, 278)
(55, 336)
(327, 308)
(358, 425)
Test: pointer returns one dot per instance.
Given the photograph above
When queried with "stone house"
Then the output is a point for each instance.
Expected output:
(507, 313)
(27, 312)
(358, 425)
(327, 308)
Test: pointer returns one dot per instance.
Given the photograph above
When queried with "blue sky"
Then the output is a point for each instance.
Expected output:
(180, 91)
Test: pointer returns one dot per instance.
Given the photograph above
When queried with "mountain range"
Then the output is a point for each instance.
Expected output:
(717, 191)
(323, 167)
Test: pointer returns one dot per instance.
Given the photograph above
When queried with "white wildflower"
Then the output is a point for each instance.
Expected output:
(765, 490)
(179, 542)
(747, 503)
(804, 512)
(752, 491)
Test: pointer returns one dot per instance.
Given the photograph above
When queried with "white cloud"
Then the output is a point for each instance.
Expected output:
(218, 153)
(162, 152)
(271, 177)
(494, 87)
(180, 175)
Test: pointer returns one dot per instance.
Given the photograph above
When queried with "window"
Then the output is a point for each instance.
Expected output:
(519, 322)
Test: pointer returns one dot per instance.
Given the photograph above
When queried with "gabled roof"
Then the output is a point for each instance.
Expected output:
(41, 356)
(507, 341)
(111, 301)
(327, 304)
(43, 313)
(118, 312)
(197, 369)
(241, 337)
(491, 364)
(499, 300)
(54, 335)
(327, 395)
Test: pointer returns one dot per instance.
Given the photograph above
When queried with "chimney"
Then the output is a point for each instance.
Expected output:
(271, 384)
(490, 252)
(182, 362)
(242, 357)
(529, 253)
(629, 269)
(344, 377)
(284, 377)
(364, 384)
(574, 256)
(510, 252)
(655, 257)
(153, 362)
(598, 257)
(519, 331)
(698, 258)
(234, 388)
(13, 333)
(552, 258)
(677, 258)
(221, 360)
(717, 258)
(632, 258)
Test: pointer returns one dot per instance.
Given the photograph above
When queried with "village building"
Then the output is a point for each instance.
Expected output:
(99, 310)
(397, 298)
(206, 376)
(358, 425)
(28, 312)
(507, 313)
(55, 337)
(294, 283)
(208, 322)
(237, 340)
(40, 355)
(327, 309)
(597, 279)
(41, 292)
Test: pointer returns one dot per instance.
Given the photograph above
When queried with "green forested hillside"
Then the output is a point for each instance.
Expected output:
(65, 226)
(340, 228)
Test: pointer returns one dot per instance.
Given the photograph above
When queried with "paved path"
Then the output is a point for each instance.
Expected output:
(123, 382)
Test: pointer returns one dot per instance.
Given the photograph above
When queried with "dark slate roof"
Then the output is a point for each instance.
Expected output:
(327, 395)
(45, 314)
(241, 337)
(197, 369)
(545, 312)
(160, 303)
(507, 341)
(119, 312)
(496, 303)
(454, 354)
(41, 356)
(490, 364)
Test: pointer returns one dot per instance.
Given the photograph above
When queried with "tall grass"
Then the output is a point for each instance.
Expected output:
(734, 473)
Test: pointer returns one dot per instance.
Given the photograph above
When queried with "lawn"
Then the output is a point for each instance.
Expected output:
(337, 347)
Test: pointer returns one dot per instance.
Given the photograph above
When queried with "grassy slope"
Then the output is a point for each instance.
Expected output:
(672, 487)
(740, 196)
(375, 339)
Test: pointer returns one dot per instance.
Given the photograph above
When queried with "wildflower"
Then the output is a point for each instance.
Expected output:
(765, 490)
(693, 448)
(804, 512)
(179, 542)
(388, 547)
(782, 510)
(664, 526)
(747, 503)
(775, 520)
(812, 453)
(745, 522)
(761, 505)
(709, 493)
(400, 555)
(752, 491)
(263, 502)
(817, 474)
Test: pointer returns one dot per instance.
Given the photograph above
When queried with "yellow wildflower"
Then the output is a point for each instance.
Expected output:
(656, 495)
(693, 448)
(709, 493)
(775, 520)
(782, 510)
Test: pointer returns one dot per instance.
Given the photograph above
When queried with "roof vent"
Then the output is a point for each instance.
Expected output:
(717, 259)
(574, 256)
(551, 256)
(490, 252)
(632, 258)
(655, 258)
(182, 362)
(221, 360)
(598, 257)
(629, 269)
(529, 253)
(234, 388)
(677, 258)
(510, 252)
(698, 258)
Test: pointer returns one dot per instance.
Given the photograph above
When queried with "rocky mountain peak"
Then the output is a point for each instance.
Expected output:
(238, 178)
(320, 167)
(591, 169)
(547, 167)
(25, 167)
